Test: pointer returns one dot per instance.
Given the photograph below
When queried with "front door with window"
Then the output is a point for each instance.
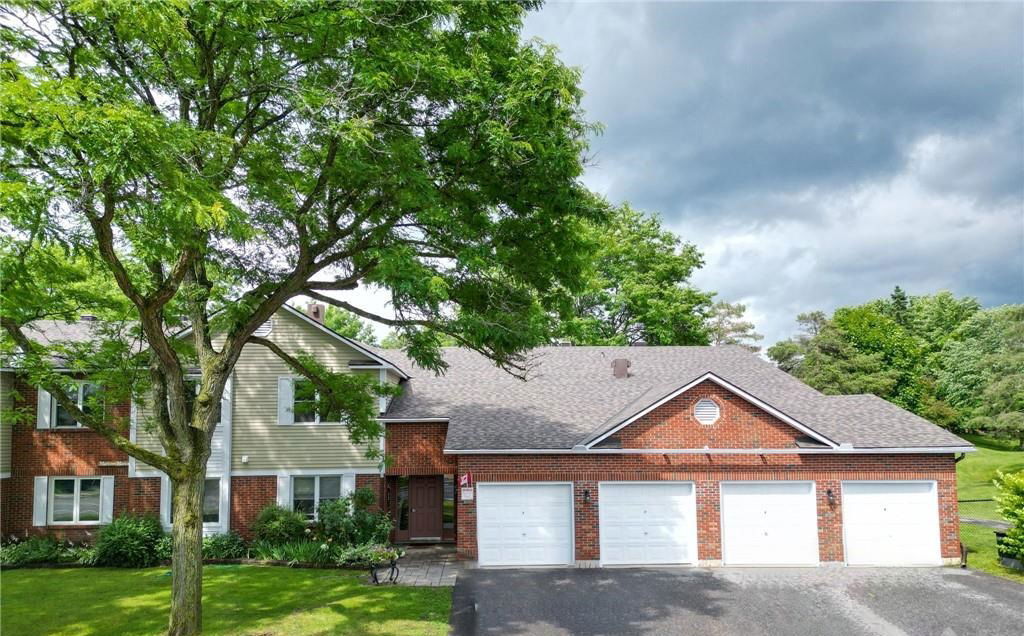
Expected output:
(425, 495)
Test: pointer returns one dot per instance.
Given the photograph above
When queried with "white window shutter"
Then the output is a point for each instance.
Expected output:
(107, 499)
(284, 491)
(41, 486)
(348, 484)
(285, 400)
(44, 409)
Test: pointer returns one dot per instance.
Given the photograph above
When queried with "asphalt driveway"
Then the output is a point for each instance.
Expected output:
(746, 602)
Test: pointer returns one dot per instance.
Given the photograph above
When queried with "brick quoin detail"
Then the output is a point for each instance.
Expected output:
(250, 495)
(418, 449)
(740, 424)
(707, 471)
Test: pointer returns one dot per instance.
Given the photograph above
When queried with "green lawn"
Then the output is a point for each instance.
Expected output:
(974, 481)
(976, 472)
(236, 600)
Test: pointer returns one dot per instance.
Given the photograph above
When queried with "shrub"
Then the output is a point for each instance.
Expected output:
(34, 550)
(349, 522)
(367, 554)
(279, 525)
(129, 542)
(164, 548)
(315, 552)
(224, 546)
(1010, 504)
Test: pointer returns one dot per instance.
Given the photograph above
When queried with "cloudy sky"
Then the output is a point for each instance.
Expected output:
(817, 154)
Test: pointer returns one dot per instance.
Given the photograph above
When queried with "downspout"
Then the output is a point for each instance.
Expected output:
(957, 460)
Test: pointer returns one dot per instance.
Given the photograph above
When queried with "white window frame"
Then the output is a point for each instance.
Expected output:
(79, 402)
(316, 414)
(316, 491)
(78, 492)
(209, 527)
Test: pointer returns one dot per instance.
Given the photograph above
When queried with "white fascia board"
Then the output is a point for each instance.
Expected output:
(764, 406)
(410, 420)
(716, 451)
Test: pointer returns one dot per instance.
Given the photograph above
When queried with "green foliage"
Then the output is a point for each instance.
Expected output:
(349, 325)
(348, 521)
(367, 554)
(228, 545)
(1010, 504)
(129, 542)
(277, 525)
(33, 550)
(164, 548)
(299, 551)
(726, 326)
(637, 286)
(919, 352)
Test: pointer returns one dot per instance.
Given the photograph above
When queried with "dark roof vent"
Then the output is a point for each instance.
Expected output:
(620, 368)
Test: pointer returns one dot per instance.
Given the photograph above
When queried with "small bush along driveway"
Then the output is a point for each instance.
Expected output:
(236, 600)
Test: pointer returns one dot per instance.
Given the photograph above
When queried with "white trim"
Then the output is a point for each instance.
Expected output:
(764, 406)
(76, 513)
(209, 527)
(132, 425)
(572, 513)
(938, 514)
(410, 420)
(4, 475)
(346, 487)
(382, 401)
(693, 492)
(817, 522)
(924, 450)
(303, 472)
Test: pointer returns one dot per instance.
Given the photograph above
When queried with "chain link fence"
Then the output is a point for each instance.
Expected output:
(978, 523)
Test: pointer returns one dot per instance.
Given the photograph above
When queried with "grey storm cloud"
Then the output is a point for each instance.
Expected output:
(817, 154)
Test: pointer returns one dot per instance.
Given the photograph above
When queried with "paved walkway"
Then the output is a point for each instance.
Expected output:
(429, 566)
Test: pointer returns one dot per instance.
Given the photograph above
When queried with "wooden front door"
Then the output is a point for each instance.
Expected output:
(425, 495)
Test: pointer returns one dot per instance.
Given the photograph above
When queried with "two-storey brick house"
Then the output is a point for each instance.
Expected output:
(616, 455)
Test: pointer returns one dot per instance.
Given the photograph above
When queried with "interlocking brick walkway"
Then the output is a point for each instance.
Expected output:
(429, 566)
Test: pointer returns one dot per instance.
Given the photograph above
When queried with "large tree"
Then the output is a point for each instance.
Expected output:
(349, 325)
(639, 287)
(213, 160)
(726, 326)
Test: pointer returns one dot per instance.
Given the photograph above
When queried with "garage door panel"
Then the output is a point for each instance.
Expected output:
(769, 523)
(891, 523)
(647, 523)
(524, 524)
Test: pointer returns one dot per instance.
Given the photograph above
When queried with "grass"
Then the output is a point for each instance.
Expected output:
(981, 552)
(974, 481)
(976, 472)
(236, 600)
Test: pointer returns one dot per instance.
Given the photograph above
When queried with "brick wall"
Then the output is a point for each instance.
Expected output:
(374, 483)
(418, 449)
(706, 471)
(740, 424)
(250, 495)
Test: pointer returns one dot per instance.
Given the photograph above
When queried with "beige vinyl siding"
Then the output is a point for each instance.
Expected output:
(6, 426)
(268, 445)
(145, 434)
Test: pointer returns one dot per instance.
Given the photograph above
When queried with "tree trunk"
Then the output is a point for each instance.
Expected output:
(187, 557)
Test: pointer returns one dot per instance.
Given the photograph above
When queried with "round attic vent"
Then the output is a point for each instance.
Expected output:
(706, 411)
(264, 330)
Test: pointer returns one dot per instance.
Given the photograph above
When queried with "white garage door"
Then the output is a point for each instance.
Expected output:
(891, 523)
(524, 524)
(769, 523)
(647, 523)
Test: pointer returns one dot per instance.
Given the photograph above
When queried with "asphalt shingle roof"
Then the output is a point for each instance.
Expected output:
(571, 396)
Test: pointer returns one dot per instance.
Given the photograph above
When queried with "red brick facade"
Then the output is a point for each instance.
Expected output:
(250, 495)
(740, 424)
(418, 449)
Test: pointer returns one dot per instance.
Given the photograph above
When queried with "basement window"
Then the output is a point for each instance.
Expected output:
(706, 411)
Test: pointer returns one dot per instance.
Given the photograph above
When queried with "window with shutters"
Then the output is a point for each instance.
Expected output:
(706, 411)
(75, 500)
(85, 395)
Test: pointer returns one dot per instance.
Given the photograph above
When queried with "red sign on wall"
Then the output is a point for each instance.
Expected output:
(466, 480)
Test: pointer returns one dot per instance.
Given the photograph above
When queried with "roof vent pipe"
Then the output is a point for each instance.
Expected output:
(316, 312)
(620, 368)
